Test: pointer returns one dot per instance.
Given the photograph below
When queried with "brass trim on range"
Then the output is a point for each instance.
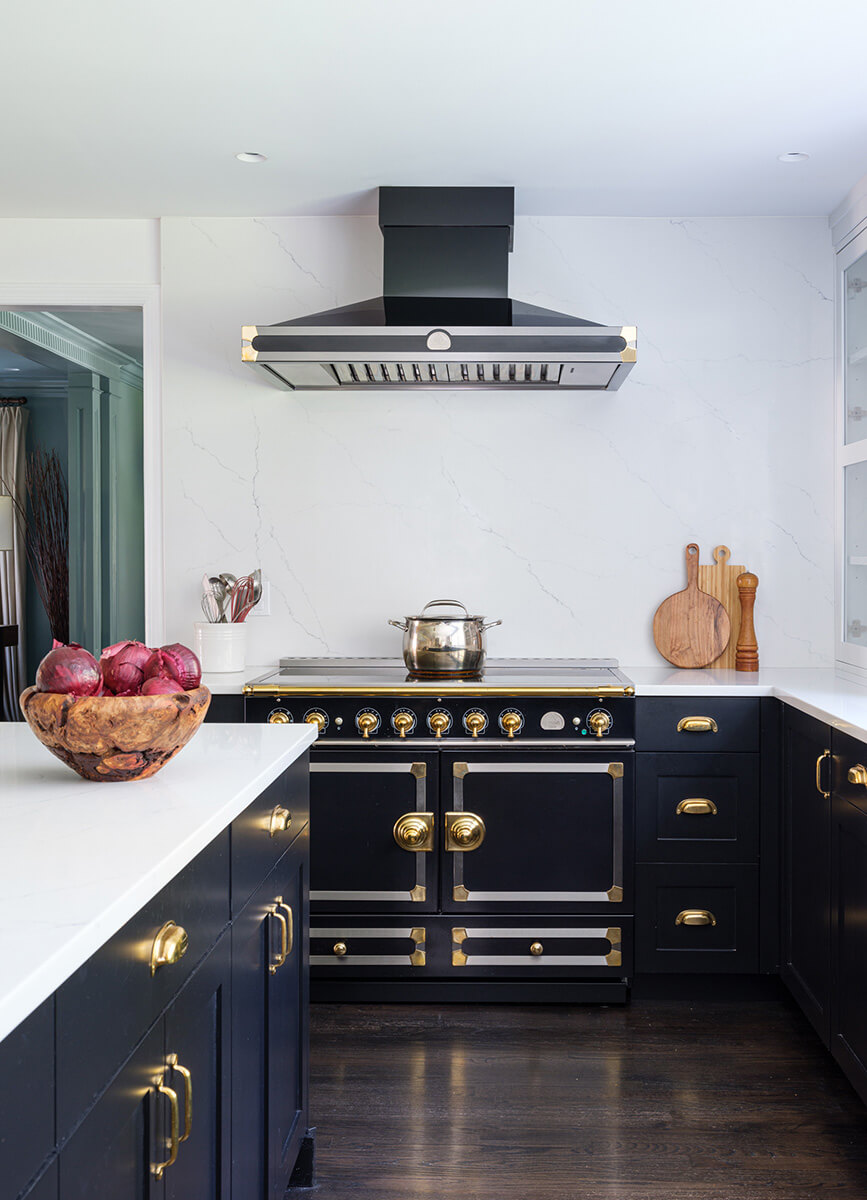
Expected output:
(697, 725)
(825, 754)
(442, 687)
(536, 952)
(418, 895)
(465, 831)
(695, 916)
(169, 946)
(343, 952)
(280, 820)
(858, 775)
(696, 806)
(414, 832)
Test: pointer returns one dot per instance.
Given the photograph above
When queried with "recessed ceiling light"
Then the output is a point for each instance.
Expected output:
(793, 156)
(11, 368)
(251, 156)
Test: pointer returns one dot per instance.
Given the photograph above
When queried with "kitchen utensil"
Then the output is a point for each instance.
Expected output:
(720, 581)
(242, 598)
(444, 645)
(209, 606)
(221, 596)
(747, 656)
(691, 628)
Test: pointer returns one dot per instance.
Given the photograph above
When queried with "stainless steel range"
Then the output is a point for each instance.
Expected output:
(469, 837)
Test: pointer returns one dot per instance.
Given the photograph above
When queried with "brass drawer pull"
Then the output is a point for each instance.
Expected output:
(414, 831)
(697, 725)
(281, 903)
(284, 939)
(695, 916)
(340, 949)
(464, 831)
(537, 948)
(172, 1061)
(696, 807)
(281, 819)
(170, 946)
(825, 754)
(159, 1169)
(858, 774)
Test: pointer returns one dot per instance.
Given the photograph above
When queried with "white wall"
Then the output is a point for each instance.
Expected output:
(567, 516)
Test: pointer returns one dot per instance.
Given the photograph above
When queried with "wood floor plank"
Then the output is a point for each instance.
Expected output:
(650, 1101)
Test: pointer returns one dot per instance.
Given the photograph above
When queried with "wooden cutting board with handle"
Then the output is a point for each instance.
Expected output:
(721, 581)
(691, 628)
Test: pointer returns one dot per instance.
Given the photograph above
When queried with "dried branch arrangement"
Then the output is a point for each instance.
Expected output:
(46, 529)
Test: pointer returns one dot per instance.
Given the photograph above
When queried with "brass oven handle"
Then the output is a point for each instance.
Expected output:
(858, 774)
(169, 946)
(697, 725)
(281, 903)
(695, 807)
(281, 819)
(172, 1061)
(825, 754)
(159, 1169)
(465, 831)
(695, 916)
(414, 831)
(284, 940)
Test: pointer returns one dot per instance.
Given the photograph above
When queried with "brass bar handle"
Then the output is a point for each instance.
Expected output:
(284, 940)
(169, 946)
(414, 831)
(696, 806)
(159, 1169)
(172, 1061)
(695, 916)
(825, 754)
(281, 903)
(697, 725)
(858, 774)
(281, 819)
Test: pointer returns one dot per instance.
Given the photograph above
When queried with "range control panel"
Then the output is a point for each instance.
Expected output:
(440, 719)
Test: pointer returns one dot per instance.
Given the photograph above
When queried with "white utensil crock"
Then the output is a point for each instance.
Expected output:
(221, 648)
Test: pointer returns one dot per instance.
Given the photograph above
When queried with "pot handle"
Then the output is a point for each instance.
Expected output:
(491, 624)
(456, 603)
(399, 624)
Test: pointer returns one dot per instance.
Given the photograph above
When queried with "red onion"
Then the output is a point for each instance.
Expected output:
(176, 660)
(160, 685)
(69, 670)
(123, 667)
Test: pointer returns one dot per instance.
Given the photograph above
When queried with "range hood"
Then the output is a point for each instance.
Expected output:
(445, 319)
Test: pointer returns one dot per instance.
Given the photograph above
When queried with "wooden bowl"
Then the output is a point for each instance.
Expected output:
(113, 738)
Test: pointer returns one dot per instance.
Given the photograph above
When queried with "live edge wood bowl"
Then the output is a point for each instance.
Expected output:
(113, 738)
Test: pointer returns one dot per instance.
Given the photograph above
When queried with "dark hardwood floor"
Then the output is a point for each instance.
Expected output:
(653, 1101)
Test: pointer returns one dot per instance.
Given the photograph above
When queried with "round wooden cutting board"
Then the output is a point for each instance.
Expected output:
(691, 628)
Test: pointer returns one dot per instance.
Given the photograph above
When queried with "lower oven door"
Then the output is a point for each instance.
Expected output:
(533, 831)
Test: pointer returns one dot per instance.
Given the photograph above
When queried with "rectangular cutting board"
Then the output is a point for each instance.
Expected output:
(721, 581)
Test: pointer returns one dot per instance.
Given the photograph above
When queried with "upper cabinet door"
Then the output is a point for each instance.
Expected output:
(855, 345)
(851, 453)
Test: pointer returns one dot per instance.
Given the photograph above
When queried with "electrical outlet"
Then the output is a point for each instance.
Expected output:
(263, 608)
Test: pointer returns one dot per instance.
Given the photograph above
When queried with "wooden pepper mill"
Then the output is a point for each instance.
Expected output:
(747, 650)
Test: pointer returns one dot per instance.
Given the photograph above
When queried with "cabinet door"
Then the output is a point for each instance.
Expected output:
(197, 1059)
(269, 1029)
(806, 866)
(27, 1098)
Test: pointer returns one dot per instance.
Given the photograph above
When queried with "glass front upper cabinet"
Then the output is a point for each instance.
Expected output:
(852, 454)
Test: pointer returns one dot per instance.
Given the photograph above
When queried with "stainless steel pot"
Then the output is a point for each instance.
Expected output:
(444, 645)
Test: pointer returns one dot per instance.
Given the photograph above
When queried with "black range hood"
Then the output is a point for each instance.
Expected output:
(445, 319)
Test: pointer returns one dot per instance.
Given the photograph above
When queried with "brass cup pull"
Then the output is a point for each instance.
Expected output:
(284, 939)
(172, 1061)
(170, 946)
(695, 807)
(697, 725)
(340, 949)
(414, 831)
(825, 754)
(695, 916)
(290, 920)
(281, 819)
(159, 1169)
(858, 774)
(536, 948)
(464, 831)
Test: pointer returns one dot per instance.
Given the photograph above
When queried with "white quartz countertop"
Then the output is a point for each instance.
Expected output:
(78, 859)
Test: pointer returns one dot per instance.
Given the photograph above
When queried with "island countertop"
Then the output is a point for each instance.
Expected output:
(79, 859)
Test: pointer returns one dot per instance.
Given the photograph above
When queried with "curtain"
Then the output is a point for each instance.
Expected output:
(13, 564)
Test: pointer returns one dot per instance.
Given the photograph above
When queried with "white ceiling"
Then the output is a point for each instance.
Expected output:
(642, 107)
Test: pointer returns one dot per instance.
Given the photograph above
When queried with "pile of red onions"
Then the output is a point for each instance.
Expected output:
(124, 669)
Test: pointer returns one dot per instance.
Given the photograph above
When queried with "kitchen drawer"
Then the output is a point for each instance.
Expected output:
(364, 947)
(26, 1099)
(541, 947)
(111, 1002)
(727, 895)
(663, 724)
(697, 808)
(261, 834)
(848, 782)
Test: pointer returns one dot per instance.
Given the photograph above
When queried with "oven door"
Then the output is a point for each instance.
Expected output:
(373, 831)
(527, 831)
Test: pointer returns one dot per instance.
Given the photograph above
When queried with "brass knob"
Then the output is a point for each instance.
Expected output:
(403, 723)
(413, 831)
(858, 774)
(366, 723)
(281, 819)
(464, 831)
(599, 722)
(279, 717)
(438, 723)
(170, 946)
(512, 723)
(340, 949)
(536, 948)
(318, 719)
(475, 723)
(695, 916)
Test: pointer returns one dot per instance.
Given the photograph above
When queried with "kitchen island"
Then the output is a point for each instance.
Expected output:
(139, 915)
